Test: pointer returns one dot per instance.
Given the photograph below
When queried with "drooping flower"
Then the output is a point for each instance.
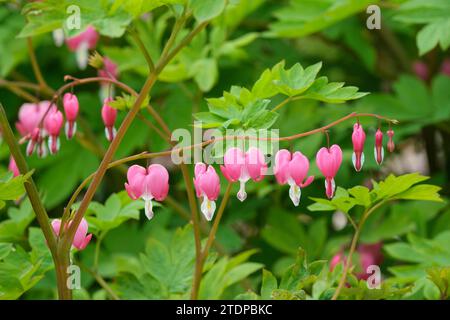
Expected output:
(390, 144)
(292, 169)
(81, 44)
(13, 167)
(81, 238)
(240, 166)
(109, 70)
(379, 150)
(71, 108)
(109, 116)
(207, 185)
(53, 123)
(329, 160)
(367, 255)
(148, 183)
(358, 139)
(30, 118)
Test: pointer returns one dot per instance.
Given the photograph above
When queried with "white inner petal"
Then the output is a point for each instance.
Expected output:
(295, 193)
(208, 208)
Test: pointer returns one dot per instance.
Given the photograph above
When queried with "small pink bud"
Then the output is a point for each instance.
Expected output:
(148, 184)
(240, 166)
(390, 144)
(292, 169)
(421, 70)
(207, 185)
(328, 161)
(379, 150)
(358, 139)
(81, 238)
(109, 69)
(109, 116)
(53, 123)
(13, 167)
(71, 108)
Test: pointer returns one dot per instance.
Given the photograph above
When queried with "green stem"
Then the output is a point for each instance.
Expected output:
(348, 260)
(134, 33)
(61, 262)
(209, 242)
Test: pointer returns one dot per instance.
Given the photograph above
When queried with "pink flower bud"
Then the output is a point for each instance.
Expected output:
(379, 150)
(109, 69)
(71, 108)
(358, 139)
(328, 161)
(13, 167)
(292, 169)
(243, 167)
(109, 116)
(445, 67)
(53, 123)
(207, 185)
(390, 144)
(81, 238)
(421, 70)
(148, 184)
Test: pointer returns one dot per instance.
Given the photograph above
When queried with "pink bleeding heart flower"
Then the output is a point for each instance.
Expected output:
(81, 44)
(329, 160)
(390, 144)
(240, 166)
(30, 117)
(358, 139)
(368, 255)
(53, 123)
(207, 185)
(81, 238)
(109, 116)
(71, 109)
(148, 184)
(445, 67)
(13, 167)
(292, 169)
(379, 150)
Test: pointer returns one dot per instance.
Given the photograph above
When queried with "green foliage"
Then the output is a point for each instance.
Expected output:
(241, 108)
(165, 270)
(303, 17)
(12, 188)
(21, 270)
(427, 258)
(434, 15)
(392, 188)
(117, 209)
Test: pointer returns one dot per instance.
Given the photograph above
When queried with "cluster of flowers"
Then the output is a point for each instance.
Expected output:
(37, 121)
(152, 183)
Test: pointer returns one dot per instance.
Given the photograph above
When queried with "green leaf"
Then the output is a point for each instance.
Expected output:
(426, 192)
(301, 18)
(206, 10)
(205, 73)
(13, 188)
(269, 283)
